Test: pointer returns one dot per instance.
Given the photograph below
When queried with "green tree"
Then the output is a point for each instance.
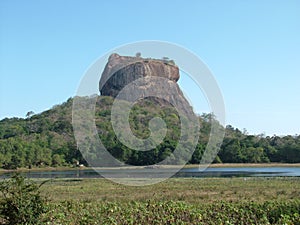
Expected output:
(254, 155)
(29, 114)
(231, 152)
(58, 160)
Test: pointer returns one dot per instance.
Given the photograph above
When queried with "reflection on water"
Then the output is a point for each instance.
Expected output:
(186, 172)
(242, 172)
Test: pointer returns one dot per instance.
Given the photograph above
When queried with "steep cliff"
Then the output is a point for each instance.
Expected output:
(124, 70)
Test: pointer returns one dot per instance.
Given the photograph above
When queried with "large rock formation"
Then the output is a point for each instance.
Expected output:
(123, 70)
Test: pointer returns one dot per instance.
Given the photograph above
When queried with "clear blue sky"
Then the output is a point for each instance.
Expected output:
(252, 47)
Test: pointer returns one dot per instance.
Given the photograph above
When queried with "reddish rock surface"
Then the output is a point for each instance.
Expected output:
(123, 70)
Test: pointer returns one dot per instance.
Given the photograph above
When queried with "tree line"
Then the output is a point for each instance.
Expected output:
(47, 139)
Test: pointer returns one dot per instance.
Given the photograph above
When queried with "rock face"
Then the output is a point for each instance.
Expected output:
(149, 77)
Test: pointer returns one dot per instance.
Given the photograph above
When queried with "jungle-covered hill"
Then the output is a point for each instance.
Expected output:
(47, 139)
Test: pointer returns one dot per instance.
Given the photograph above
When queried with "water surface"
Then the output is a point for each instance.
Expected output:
(185, 172)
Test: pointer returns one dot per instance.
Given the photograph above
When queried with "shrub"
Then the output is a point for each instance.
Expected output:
(21, 202)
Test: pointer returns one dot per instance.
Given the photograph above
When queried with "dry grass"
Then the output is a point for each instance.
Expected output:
(190, 190)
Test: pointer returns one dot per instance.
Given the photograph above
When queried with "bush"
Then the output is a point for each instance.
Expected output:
(21, 202)
(173, 212)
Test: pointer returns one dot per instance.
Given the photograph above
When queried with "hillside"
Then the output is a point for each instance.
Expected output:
(47, 139)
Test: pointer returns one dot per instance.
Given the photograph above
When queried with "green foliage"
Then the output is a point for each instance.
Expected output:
(21, 202)
(174, 212)
(41, 140)
(47, 139)
(140, 115)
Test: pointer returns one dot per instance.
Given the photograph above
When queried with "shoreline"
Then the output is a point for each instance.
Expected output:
(216, 165)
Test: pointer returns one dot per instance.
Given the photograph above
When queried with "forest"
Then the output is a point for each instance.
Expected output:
(47, 139)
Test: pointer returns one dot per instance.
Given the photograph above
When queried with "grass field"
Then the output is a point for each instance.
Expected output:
(174, 201)
(252, 200)
(189, 190)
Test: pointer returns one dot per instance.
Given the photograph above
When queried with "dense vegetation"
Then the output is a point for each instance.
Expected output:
(21, 202)
(174, 213)
(175, 201)
(47, 139)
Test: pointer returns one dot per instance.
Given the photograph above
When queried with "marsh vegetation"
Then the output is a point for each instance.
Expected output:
(174, 201)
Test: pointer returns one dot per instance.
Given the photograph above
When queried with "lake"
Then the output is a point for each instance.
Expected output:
(185, 172)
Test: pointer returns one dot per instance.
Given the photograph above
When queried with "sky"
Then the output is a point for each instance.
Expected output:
(251, 47)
